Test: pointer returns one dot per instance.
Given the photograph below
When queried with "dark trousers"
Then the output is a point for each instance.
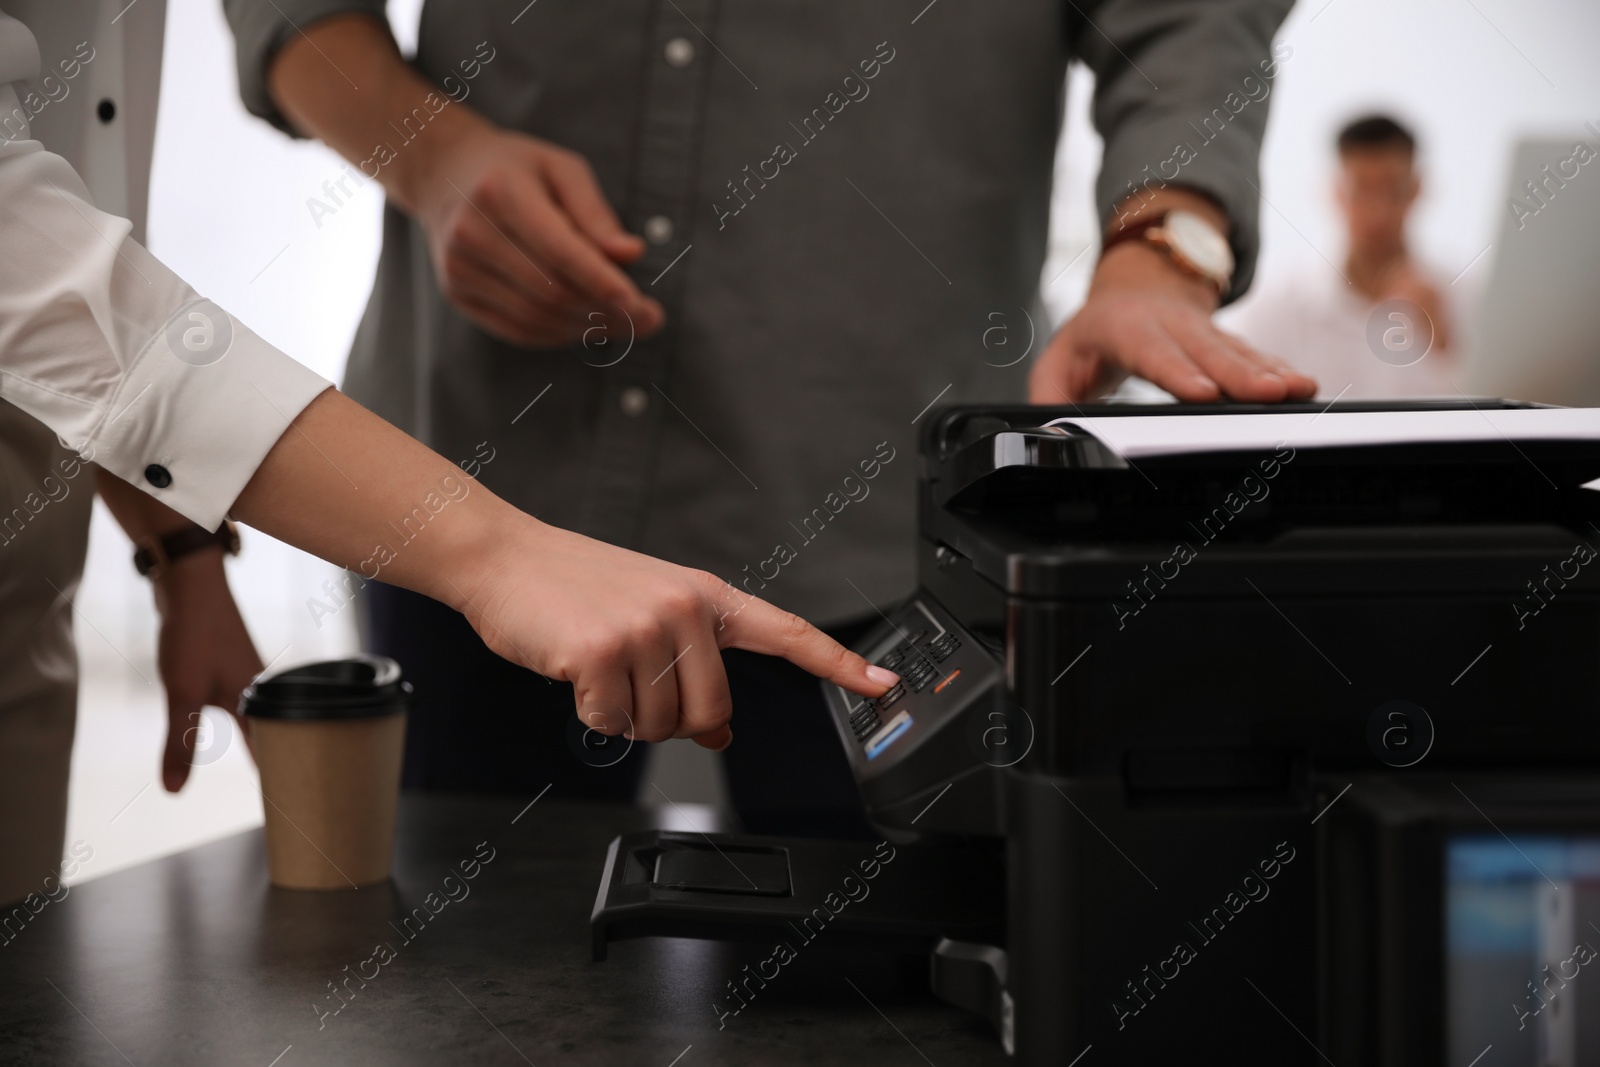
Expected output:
(482, 725)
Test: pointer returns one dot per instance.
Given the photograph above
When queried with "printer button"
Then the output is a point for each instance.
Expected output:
(917, 675)
(865, 719)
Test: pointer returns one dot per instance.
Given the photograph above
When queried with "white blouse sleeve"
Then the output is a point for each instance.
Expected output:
(121, 358)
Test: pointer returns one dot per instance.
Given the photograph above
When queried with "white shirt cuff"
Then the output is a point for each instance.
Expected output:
(198, 412)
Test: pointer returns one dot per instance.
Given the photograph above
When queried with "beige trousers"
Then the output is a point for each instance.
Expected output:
(45, 496)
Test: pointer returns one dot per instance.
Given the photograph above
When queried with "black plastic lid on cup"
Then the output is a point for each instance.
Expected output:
(361, 687)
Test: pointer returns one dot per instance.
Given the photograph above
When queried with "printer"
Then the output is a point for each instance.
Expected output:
(1232, 733)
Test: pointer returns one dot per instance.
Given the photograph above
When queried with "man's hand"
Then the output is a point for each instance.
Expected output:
(205, 656)
(1146, 317)
(203, 651)
(522, 239)
(640, 639)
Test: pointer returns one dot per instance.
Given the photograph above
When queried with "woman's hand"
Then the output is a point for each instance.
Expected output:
(640, 639)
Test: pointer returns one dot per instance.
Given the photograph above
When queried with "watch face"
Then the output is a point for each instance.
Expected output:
(1196, 240)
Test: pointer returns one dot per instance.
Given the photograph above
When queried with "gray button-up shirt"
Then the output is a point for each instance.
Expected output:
(843, 201)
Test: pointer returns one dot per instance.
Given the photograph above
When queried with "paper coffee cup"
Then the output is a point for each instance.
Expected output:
(328, 741)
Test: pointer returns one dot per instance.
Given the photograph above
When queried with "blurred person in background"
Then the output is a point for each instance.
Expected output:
(1382, 325)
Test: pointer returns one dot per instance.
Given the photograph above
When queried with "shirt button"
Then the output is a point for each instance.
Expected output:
(658, 229)
(679, 52)
(106, 111)
(634, 400)
(158, 476)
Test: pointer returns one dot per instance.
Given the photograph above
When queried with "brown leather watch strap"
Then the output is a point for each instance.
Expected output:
(153, 554)
(1129, 233)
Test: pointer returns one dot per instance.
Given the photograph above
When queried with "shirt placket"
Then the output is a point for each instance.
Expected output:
(666, 156)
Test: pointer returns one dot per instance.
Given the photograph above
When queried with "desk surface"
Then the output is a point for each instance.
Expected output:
(194, 959)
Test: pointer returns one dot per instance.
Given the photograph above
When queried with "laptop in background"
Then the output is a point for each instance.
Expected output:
(1536, 331)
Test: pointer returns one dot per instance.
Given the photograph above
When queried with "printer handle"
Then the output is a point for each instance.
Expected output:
(965, 475)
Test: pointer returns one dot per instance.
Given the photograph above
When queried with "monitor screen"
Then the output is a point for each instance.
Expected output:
(1522, 942)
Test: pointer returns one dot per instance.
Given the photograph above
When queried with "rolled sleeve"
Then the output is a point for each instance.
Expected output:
(1181, 95)
(123, 360)
(261, 27)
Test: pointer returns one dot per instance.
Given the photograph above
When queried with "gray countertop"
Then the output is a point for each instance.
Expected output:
(194, 959)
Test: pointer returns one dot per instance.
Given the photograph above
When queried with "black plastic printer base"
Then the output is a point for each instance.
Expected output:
(724, 887)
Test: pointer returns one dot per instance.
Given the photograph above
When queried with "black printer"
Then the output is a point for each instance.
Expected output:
(1281, 756)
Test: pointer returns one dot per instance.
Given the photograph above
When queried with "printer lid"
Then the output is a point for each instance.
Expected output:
(1142, 436)
(1042, 510)
(974, 451)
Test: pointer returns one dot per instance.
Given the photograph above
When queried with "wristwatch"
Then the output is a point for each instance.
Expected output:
(1192, 243)
(154, 553)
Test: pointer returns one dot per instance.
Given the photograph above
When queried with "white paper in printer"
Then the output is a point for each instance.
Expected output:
(1136, 436)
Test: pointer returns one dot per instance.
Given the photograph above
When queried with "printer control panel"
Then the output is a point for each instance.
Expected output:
(915, 737)
(919, 659)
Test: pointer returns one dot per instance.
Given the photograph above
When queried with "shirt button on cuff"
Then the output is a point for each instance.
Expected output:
(158, 476)
(679, 52)
(658, 229)
(634, 400)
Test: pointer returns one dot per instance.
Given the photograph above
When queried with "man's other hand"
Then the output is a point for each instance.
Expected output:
(522, 239)
(524, 243)
(1145, 316)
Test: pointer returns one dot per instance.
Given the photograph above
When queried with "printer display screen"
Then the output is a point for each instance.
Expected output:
(1522, 941)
